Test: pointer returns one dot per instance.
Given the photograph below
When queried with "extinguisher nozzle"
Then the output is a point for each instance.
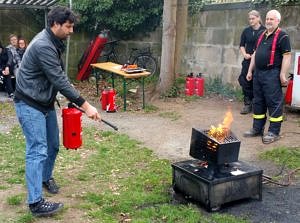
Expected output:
(109, 124)
(104, 121)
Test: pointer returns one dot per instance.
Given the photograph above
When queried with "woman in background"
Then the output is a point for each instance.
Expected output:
(22, 47)
(5, 76)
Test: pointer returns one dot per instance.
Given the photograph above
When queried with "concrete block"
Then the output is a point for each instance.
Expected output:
(230, 55)
(216, 19)
(222, 36)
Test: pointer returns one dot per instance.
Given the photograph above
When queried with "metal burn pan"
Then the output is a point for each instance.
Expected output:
(204, 147)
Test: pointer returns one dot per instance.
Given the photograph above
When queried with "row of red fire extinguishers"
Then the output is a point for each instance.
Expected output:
(194, 85)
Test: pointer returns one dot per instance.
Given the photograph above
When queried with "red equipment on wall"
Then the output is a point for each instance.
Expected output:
(199, 85)
(91, 55)
(72, 131)
(108, 100)
(189, 85)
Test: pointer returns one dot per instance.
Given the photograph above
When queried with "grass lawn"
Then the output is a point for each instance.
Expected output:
(112, 178)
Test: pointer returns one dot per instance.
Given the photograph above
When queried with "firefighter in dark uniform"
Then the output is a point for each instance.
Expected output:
(271, 61)
(249, 37)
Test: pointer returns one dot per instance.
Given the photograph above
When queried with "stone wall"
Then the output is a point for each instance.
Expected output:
(212, 40)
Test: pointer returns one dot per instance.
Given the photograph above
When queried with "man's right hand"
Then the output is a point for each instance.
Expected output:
(91, 111)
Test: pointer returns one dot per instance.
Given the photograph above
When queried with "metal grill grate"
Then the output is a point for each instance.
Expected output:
(230, 138)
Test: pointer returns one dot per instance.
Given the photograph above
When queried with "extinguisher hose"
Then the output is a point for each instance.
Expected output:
(102, 120)
(109, 124)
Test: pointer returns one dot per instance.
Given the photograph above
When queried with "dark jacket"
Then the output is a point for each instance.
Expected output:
(21, 52)
(5, 58)
(41, 74)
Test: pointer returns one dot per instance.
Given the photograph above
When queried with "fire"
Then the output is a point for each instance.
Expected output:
(222, 131)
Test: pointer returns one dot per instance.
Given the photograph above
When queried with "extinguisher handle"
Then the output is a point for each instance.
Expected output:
(102, 120)
(109, 124)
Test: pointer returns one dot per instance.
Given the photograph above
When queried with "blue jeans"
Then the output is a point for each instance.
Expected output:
(42, 145)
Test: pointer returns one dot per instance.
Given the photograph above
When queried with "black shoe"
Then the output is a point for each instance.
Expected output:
(51, 186)
(45, 208)
(270, 137)
(246, 110)
(253, 133)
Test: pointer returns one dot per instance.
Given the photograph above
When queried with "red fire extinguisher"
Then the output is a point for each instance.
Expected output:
(103, 99)
(289, 91)
(199, 85)
(108, 100)
(111, 101)
(189, 85)
(72, 131)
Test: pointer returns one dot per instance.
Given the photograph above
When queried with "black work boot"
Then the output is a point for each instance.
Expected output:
(247, 106)
(45, 208)
(253, 133)
(51, 186)
(246, 109)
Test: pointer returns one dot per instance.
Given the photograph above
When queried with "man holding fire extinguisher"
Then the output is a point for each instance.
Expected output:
(271, 60)
(41, 76)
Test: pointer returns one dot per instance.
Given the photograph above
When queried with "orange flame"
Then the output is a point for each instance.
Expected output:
(222, 131)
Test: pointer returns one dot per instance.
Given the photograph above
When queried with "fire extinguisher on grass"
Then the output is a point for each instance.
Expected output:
(72, 131)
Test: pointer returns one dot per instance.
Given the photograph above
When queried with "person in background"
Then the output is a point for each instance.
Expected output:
(16, 60)
(5, 76)
(271, 60)
(41, 77)
(21, 47)
(247, 44)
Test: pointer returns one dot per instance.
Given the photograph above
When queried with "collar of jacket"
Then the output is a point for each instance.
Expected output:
(59, 44)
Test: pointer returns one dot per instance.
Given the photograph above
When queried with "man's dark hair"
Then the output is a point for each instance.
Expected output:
(60, 15)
